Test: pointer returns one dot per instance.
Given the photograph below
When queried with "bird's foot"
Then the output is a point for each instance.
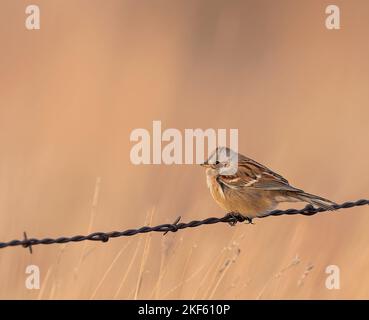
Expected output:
(249, 220)
(236, 217)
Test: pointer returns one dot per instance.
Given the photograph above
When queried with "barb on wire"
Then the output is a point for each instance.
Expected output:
(230, 218)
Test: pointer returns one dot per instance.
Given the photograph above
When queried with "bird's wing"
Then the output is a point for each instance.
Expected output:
(255, 175)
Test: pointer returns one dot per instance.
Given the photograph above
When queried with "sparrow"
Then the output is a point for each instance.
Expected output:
(246, 188)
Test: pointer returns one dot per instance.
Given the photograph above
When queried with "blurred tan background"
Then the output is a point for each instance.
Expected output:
(72, 92)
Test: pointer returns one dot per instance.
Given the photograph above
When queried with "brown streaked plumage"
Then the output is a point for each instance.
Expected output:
(243, 186)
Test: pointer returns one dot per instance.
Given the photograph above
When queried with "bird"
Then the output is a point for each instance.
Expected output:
(247, 189)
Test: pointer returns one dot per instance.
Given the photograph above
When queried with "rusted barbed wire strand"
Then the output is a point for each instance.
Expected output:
(309, 210)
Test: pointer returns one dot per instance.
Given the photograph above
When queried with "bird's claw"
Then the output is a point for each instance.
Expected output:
(237, 217)
(249, 220)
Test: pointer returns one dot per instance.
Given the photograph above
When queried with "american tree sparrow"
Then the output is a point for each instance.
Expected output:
(245, 187)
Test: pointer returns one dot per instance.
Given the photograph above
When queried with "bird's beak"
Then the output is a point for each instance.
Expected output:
(205, 164)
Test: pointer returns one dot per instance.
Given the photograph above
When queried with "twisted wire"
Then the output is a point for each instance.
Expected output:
(230, 218)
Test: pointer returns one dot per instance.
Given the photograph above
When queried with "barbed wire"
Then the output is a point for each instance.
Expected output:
(231, 218)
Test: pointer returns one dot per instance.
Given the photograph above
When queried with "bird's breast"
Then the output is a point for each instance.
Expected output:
(248, 201)
(216, 190)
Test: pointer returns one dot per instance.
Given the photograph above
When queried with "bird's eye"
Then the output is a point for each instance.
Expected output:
(217, 162)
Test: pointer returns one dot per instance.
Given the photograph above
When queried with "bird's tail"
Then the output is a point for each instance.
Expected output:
(315, 200)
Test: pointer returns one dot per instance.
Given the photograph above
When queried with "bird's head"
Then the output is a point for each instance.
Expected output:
(223, 161)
